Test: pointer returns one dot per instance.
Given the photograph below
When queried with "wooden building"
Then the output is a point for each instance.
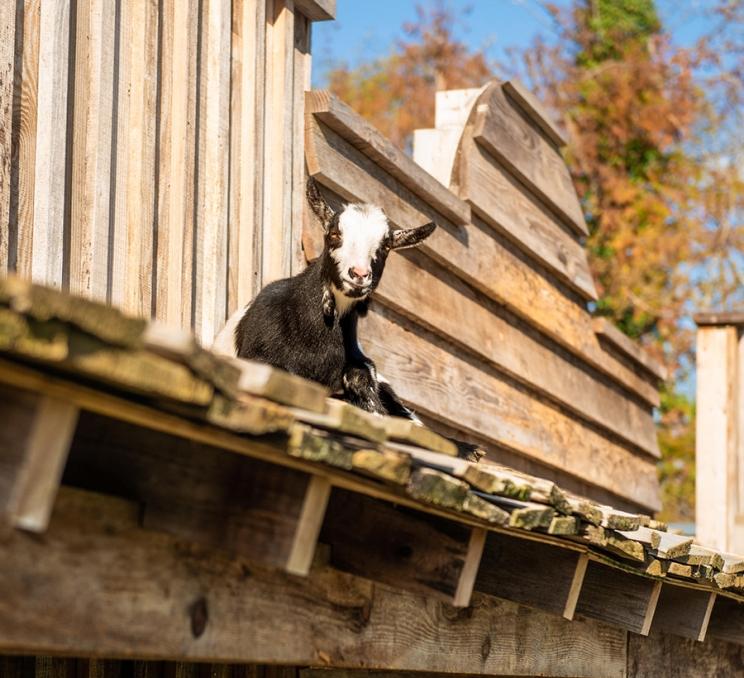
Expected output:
(153, 157)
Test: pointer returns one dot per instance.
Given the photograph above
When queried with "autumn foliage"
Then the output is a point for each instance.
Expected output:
(656, 154)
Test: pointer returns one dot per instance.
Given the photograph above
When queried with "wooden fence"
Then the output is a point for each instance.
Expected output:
(141, 140)
(485, 330)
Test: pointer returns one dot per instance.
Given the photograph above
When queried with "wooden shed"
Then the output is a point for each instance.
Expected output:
(167, 511)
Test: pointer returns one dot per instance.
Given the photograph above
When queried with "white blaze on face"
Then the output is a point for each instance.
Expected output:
(363, 228)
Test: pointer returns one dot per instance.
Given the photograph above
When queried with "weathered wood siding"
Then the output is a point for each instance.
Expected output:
(485, 330)
(149, 149)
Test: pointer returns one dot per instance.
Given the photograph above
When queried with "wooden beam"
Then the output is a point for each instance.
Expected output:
(576, 583)
(618, 598)
(359, 133)
(629, 348)
(317, 10)
(254, 615)
(531, 573)
(469, 571)
(306, 532)
(531, 158)
(535, 111)
(266, 512)
(717, 482)
(520, 218)
(34, 446)
(683, 612)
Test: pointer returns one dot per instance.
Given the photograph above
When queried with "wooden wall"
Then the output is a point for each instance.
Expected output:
(149, 149)
(484, 330)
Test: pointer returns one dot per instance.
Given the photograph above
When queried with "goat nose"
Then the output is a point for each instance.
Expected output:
(358, 272)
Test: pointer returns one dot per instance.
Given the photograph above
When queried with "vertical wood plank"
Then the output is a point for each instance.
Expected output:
(716, 421)
(92, 149)
(246, 151)
(27, 137)
(470, 568)
(54, 667)
(175, 200)
(301, 70)
(132, 261)
(277, 214)
(51, 144)
(210, 303)
(7, 80)
(308, 525)
(574, 590)
(35, 459)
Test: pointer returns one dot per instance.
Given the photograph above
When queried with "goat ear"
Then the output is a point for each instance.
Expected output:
(410, 237)
(322, 209)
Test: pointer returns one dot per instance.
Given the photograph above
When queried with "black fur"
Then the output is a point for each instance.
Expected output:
(294, 324)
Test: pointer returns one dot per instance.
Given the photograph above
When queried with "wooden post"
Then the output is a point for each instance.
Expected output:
(33, 453)
(719, 453)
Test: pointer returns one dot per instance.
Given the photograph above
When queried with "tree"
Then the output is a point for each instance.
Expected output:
(396, 92)
(655, 154)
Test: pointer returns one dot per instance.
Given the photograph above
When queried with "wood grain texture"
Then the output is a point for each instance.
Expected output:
(46, 448)
(359, 133)
(683, 612)
(52, 146)
(399, 547)
(618, 598)
(343, 619)
(434, 298)
(176, 145)
(277, 186)
(727, 621)
(526, 572)
(211, 234)
(90, 223)
(534, 110)
(528, 156)
(135, 197)
(442, 383)
(223, 501)
(301, 74)
(246, 152)
(8, 58)
(503, 276)
(502, 202)
(662, 654)
(27, 125)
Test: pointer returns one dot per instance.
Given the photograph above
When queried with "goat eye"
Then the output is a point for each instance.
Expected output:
(334, 239)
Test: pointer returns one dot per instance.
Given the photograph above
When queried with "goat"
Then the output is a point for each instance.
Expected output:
(307, 324)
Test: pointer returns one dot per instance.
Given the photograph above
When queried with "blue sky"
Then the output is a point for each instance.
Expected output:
(365, 30)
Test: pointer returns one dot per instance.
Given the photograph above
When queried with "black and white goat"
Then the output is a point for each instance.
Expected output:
(307, 324)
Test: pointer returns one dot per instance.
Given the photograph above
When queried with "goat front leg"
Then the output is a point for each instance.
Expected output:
(361, 387)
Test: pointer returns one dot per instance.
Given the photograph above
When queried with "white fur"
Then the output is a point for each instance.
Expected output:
(363, 228)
